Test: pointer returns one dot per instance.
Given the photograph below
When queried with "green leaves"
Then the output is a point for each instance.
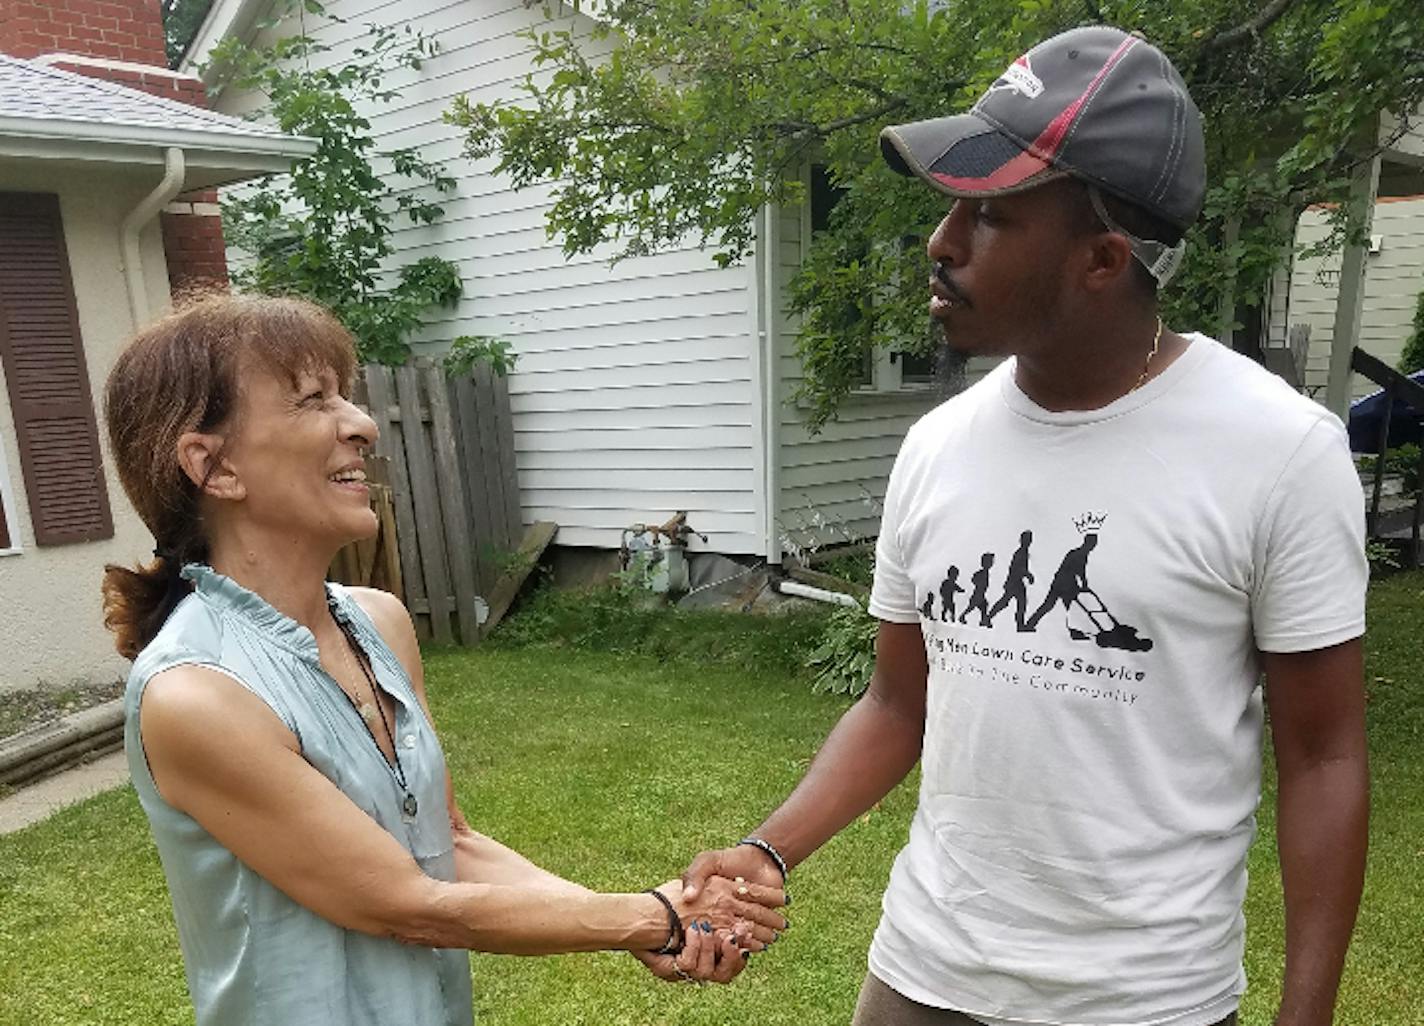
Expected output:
(324, 230)
(1411, 357)
(468, 350)
(845, 658)
(706, 110)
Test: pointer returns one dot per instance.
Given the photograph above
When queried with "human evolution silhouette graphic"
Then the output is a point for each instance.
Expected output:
(1086, 615)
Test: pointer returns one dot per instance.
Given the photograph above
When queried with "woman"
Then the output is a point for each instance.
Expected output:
(277, 729)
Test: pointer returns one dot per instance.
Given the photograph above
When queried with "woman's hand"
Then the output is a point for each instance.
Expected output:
(705, 958)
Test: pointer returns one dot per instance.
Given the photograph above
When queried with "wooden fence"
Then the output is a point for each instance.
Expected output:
(447, 450)
(374, 562)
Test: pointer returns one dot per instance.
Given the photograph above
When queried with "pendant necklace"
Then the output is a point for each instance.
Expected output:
(409, 805)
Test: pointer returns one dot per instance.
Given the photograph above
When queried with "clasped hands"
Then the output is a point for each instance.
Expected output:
(728, 904)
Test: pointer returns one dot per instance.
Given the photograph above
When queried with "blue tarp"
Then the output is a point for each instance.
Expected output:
(1406, 425)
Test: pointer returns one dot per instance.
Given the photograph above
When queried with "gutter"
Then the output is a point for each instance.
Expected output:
(218, 138)
(133, 225)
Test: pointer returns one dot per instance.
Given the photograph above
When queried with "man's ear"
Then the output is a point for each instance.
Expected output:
(1109, 261)
(201, 457)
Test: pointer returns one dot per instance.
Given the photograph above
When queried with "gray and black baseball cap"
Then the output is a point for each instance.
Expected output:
(1094, 103)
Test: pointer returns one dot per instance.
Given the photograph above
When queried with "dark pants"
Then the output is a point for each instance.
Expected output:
(881, 1006)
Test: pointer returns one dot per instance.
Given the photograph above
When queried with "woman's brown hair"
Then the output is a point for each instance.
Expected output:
(180, 374)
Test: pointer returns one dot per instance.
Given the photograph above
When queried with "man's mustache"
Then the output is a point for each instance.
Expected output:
(941, 275)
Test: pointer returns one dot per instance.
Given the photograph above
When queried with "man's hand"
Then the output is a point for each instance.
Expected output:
(746, 910)
(753, 865)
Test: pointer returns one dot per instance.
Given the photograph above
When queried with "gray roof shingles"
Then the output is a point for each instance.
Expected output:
(36, 92)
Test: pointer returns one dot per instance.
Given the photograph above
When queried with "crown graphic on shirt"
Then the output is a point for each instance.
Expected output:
(1090, 522)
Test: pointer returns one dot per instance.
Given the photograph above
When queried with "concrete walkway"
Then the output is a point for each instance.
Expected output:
(39, 801)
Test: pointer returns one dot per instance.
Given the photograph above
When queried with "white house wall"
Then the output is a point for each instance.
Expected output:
(1393, 279)
(51, 616)
(632, 396)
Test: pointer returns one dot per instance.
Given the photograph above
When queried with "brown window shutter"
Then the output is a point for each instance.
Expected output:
(4, 527)
(46, 375)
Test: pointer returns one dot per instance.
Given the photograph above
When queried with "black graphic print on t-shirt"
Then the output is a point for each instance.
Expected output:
(1086, 615)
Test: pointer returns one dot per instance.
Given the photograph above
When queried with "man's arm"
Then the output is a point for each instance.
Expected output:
(1317, 715)
(875, 744)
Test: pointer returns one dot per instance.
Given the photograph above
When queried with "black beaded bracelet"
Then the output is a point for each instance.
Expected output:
(676, 937)
(770, 849)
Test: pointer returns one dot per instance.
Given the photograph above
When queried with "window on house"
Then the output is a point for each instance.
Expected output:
(47, 377)
(916, 369)
(7, 543)
(825, 194)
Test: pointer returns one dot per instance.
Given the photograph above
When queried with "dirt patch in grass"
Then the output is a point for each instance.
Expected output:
(31, 707)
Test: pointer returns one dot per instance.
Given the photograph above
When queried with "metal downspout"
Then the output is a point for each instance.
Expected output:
(133, 225)
(771, 382)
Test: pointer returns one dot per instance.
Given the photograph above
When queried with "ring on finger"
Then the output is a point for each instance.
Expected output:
(684, 975)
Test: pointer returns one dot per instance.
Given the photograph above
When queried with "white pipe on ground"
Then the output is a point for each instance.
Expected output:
(800, 590)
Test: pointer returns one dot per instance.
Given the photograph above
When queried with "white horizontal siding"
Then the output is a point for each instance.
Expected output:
(668, 459)
(661, 421)
(631, 396)
(685, 395)
(1394, 278)
(668, 439)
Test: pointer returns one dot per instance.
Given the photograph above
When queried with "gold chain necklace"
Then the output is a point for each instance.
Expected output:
(1156, 341)
(365, 710)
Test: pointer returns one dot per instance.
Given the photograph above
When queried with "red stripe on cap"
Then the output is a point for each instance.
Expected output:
(1048, 144)
(1008, 174)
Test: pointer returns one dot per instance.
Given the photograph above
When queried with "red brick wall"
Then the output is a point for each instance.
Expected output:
(193, 243)
(123, 30)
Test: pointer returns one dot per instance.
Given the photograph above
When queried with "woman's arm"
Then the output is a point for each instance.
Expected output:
(219, 754)
(717, 958)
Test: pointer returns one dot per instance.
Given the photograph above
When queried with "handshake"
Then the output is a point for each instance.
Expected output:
(723, 909)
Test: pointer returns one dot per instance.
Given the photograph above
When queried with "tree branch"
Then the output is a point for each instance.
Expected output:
(809, 128)
(1262, 21)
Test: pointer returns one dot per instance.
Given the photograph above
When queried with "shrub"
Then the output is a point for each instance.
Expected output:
(1402, 460)
(623, 618)
(1412, 357)
(845, 658)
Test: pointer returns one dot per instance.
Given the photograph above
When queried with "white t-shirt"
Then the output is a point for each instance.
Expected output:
(1091, 762)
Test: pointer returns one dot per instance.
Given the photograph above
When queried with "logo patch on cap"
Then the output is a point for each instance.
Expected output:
(1019, 78)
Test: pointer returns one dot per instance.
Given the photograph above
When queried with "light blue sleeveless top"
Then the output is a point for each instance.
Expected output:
(253, 956)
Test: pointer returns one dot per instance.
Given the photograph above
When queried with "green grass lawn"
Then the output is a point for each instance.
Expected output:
(611, 761)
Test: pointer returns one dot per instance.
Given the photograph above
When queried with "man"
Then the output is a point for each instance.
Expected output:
(1016, 584)
(1078, 852)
